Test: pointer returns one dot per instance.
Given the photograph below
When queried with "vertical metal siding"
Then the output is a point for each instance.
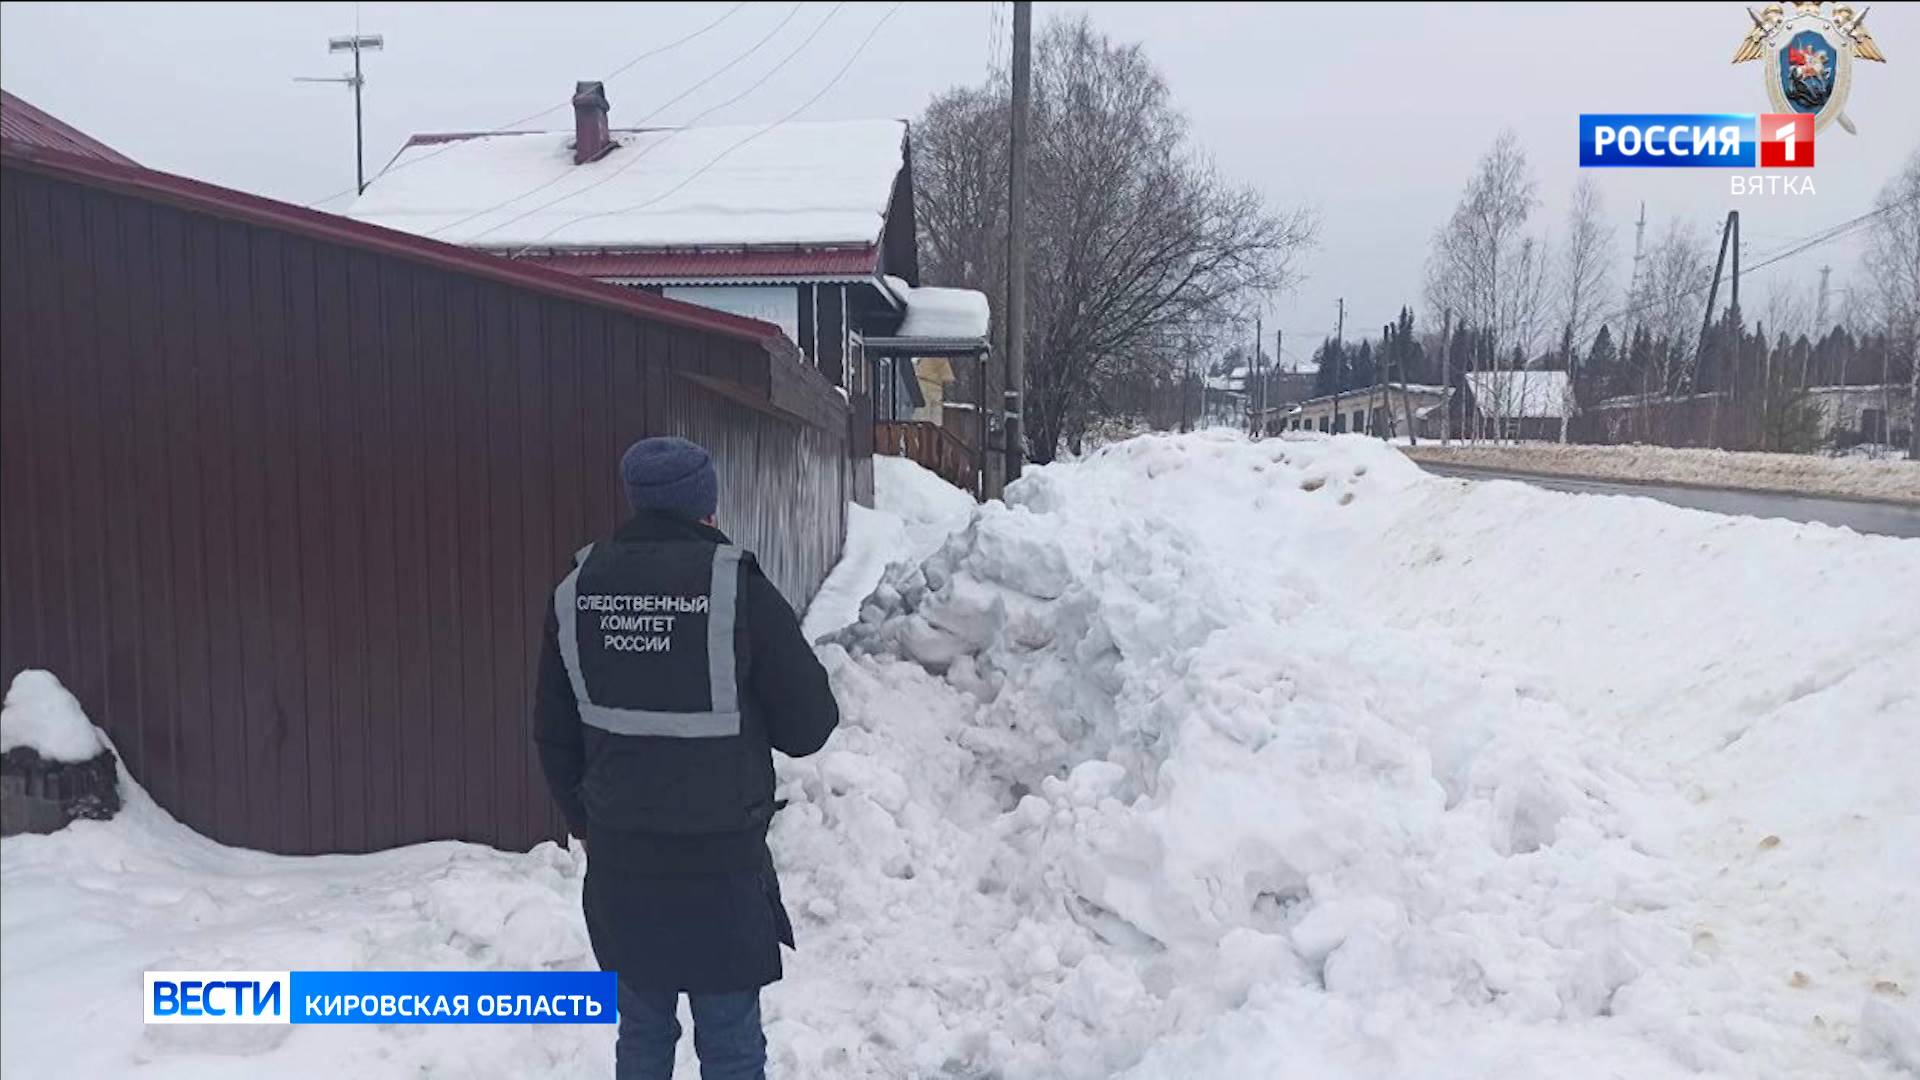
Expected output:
(284, 515)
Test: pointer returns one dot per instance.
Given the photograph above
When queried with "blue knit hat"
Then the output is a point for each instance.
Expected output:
(670, 475)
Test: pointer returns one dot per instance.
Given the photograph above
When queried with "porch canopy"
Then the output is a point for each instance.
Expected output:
(935, 322)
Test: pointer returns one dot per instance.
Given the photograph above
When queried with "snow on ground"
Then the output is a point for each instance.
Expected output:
(1201, 757)
(913, 512)
(1892, 478)
(40, 714)
(89, 908)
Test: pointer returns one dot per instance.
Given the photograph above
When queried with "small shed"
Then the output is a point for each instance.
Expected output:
(283, 495)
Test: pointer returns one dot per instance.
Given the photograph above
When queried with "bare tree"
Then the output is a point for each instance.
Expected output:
(1140, 254)
(1678, 268)
(1892, 265)
(1586, 266)
(1484, 266)
(1790, 307)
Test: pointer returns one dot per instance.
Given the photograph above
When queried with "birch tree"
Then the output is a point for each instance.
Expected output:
(1586, 270)
(1678, 269)
(1485, 267)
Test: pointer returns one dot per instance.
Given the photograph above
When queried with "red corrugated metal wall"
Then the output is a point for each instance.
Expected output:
(285, 514)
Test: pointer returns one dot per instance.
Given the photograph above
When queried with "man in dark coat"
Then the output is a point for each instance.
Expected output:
(672, 668)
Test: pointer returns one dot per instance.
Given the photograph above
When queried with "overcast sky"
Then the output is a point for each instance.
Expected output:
(1372, 114)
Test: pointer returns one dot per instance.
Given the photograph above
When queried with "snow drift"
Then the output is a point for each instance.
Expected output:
(1289, 760)
(1200, 757)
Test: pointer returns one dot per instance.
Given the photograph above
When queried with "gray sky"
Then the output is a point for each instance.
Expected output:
(1361, 110)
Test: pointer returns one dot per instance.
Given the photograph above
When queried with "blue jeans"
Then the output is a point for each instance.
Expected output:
(726, 1035)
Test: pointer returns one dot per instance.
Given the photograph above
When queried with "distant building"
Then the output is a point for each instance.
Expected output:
(1521, 404)
(1864, 414)
(1369, 411)
(1223, 399)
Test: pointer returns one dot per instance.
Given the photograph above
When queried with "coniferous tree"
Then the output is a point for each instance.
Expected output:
(1594, 380)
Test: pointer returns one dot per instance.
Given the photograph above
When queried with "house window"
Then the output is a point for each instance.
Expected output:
(1358, 419)
(1323, 423)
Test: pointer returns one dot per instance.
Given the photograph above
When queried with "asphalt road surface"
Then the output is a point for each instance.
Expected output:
(1886, 519)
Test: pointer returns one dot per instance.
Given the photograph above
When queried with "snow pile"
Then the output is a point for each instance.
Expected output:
(1198, 757)
(913, 513)
(1893, 479)
(40, 714)
(1209, 758)
(805, 182)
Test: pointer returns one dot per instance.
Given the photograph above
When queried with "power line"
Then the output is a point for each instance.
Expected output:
(1793, 248)
(511, 124)
(736, 62)
(711, 162)
(669, 137)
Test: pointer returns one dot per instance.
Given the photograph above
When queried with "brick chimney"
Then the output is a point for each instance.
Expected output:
(590, 139)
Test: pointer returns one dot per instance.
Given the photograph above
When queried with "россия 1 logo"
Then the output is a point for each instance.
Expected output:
(1696, 140)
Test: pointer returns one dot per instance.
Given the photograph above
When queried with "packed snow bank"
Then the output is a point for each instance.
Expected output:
(40, 714)
(1893, 479)
(1201, 758)
(913, 512)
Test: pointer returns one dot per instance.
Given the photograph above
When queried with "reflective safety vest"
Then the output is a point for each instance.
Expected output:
(649, 632)
(647, 635)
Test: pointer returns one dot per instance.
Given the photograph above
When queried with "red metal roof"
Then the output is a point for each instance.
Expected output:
(693, 264)
(240, 206)
(22, 123)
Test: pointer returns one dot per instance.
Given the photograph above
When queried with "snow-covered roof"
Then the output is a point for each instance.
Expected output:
(1515, 394)
(819, 183)
(947, 316)
(1233, 382)
(942, 313)
(1365, 393)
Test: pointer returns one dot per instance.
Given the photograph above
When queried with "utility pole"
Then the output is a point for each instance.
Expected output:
(1279, 337)
(355, 43)
(1251, 386)
(1734, 299)
(1739, 331)
(1017, 239)
(1403, 347)
(1446, 380)
(1339, 361)
(1820, 309)
(1706, 326)
(1380, 388)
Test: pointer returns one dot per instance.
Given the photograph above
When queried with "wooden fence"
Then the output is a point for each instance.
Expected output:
(932, 446)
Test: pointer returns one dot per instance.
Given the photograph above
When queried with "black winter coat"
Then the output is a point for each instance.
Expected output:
(689, 912)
